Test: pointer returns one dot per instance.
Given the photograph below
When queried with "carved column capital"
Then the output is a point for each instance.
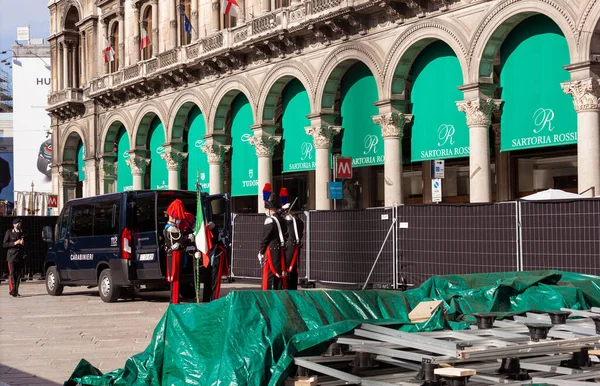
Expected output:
(323, 135)
(137, 164)
(215, 153)
(265, 145)
(215, 5)
(392, 124)
(479, 110)
(174, 159)
(173, 23)
(586, 93)
(68, 176)
(108, 170)
(136, 40)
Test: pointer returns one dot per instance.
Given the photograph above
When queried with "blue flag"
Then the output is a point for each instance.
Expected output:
(187, 25)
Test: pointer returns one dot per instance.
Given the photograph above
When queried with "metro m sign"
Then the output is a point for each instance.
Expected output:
(343, 167)
(52, 201)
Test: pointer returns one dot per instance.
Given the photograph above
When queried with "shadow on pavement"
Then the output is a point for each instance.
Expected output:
(13, 377)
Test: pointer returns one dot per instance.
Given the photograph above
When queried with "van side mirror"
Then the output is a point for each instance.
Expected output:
(47, 234)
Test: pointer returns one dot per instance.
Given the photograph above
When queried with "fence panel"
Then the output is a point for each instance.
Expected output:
(563, 235)
(247, 230)
(344, 245)
(35, 247)
(455, 239)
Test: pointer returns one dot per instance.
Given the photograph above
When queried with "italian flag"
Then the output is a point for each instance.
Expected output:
(230, 7)
(145, 39)
(203, 240)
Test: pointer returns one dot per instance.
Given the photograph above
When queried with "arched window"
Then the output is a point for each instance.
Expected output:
(114, 43)
(185, 36)
(228, 21)
(70, 60)
(146, 33)
(282, 3)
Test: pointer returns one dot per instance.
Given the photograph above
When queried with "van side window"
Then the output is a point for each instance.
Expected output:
(106, 217)
(62, 225)
(82, 223)
(144, 218)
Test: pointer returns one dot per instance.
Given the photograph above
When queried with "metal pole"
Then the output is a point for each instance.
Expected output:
(334, 179)
(379, 254)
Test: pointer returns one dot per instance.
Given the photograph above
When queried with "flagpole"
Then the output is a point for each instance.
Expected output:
(197, 261)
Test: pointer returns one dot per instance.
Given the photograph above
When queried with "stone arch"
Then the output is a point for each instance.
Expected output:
(141, 127)
(144, 8)
(70, 142)
(181, 108)
(221, 102)
(409, 45)
(335, 66)
(588, 27)
(275, 82)
(110, 132)
(66, 9)
(501, 20)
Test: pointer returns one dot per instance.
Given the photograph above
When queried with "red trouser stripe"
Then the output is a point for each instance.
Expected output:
(175, 272)
(296, 251)
(10, 283)
(222, 262)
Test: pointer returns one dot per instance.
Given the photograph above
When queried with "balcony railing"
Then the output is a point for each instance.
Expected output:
(272, 23)
(69, 95)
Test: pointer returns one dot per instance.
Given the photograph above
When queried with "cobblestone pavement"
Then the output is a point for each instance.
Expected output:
(42, 338)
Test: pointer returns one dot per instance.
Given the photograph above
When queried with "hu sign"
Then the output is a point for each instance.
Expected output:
(343, 167)
(52, 201)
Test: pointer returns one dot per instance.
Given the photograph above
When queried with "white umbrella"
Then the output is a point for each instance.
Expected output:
(552, 194)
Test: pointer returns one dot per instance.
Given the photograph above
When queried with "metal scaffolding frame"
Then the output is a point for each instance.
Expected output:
(552, 348)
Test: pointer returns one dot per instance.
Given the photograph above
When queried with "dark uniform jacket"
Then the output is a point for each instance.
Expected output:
(270, 237)
(293, 238)
(13, 252)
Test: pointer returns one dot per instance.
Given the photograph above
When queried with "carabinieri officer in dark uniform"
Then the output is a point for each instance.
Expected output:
(271, 253)
(14, 245)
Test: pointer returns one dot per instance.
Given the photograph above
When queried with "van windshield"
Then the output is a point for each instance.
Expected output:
(164, 199)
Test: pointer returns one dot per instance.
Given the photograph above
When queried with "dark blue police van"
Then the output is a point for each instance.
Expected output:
(88, 245)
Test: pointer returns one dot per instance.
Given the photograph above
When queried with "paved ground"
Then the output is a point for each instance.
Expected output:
(42, 338)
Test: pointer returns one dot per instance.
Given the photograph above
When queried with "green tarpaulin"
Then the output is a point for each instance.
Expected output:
(251, 337)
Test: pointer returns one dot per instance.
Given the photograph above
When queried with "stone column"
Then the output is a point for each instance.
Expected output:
(173, 23)
(136, 34)
(68, 177)
(121, 41)
(155, 22)
(241, 17)
(65, 63)
(392, 131)
(216, 155)
(108, 175)
(585, 98)
(138, 167)
(90, 178)
(74, 67)
(174, 160)
(323, 140)
(264, 143)
(103, 44)
(479, 119)
(83, 59)
(216, 15)
(195, 20)
(54, 59)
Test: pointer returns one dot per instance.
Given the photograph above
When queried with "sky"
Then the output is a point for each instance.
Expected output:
(21, 13)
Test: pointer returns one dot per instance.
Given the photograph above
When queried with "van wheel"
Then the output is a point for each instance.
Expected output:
(53, 287)
(109, 292)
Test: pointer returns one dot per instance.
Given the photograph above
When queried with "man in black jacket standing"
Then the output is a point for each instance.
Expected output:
(271, 253)
(14, 244)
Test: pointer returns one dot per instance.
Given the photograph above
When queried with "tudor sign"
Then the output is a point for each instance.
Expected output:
(343, 167)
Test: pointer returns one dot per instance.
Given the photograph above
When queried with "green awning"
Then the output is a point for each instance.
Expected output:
(124, 176)
(362, 138)
(439, 130)
(197, 160)
(299, 150)
(80, 162)
(159, 176)
(244, 170)
(536, 111)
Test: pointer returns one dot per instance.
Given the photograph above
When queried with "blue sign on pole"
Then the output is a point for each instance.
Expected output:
(335, 191)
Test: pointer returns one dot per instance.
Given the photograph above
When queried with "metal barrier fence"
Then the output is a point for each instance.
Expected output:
(35, 247)
(426, 240)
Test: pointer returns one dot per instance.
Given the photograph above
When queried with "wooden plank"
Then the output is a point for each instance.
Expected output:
(454, 372)
(423, 311)
(302, 381)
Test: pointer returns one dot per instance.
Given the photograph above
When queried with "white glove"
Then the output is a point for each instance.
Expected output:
(261, 259)
(198, 255)
(191, 237)
(175, 246)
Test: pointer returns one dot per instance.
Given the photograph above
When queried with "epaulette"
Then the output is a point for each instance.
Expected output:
(268, 220)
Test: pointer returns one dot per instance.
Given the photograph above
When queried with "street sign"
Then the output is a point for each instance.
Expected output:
(438, 169)
(343, 168)
(52, 201)
(436, 190)
(335, 191)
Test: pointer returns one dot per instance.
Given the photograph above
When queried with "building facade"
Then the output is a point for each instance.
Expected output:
(505, 91)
